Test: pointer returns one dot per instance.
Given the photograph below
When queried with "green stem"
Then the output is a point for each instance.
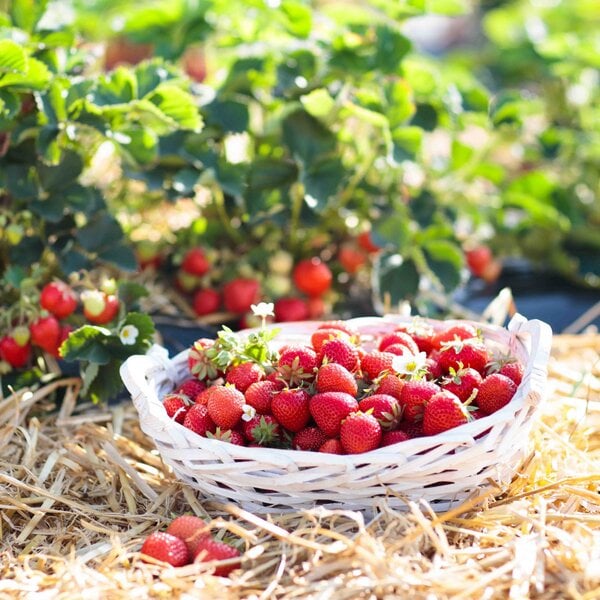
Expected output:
(219, 199)
(297, 197)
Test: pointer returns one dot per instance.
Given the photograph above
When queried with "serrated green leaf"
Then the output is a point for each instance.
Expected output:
(229, 115)
(322, 180)
(120, 255)
(318, 103)
(298, 18)
(306, 137)
(107, 384)
(177, 105)
(12, 58)
(101, 232)
(130, 292)
(36, 77)
(26, 13)
(396, 277)
(88, 344)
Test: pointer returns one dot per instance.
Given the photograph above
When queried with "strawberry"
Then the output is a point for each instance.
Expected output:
(375, 363)
(309, 438)
(329, 409)
(351, 258)
(316, 307)
(495, 391)
(398, 337)
(191, 388)
(59, 299)
(415, 394)
(297, 364)
(389, 384)
(275, 378)
(342, 326)
(332, 446)
(360, 432)
(45, 333)
(433, 370)
(206, 301)
(512, 370)
(463, 353)
(209, 549)
(190, 529)
(290, 309)
(239, 295)
(195, 262)
(262, 430)
(341, 352)
(443, 411)
(312, 276)
(291, 408)
(243, 375)
(198, 420)
(462, 382)
(398, 350)
(365, 241)
(478, 259)
(99, 308)
(15, 355)
(394, 437)
(412, 430)
(225, 405)
(231, 436)
(202, 397)
(322, 335)
(332, 377)
(461, 332)
(165, 547)
(199, 362)
(386, 409)
(259, 394)
(421, 332)
(176, 406)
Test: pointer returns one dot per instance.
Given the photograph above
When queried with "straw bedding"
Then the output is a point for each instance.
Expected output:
(80, 488)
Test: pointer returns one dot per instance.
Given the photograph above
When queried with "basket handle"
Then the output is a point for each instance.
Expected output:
(537, 336)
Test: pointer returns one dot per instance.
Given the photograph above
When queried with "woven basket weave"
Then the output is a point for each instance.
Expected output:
(442, 469)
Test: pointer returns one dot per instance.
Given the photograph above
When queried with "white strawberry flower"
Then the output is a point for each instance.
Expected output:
(263, 309)
(409, 364)
(128, 335)
(249, 412)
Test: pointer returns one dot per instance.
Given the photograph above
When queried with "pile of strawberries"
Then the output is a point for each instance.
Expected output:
(342, 393)
(188, 540)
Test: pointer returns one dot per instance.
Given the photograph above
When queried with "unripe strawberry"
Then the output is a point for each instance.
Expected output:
(21, 334)
(99, 308)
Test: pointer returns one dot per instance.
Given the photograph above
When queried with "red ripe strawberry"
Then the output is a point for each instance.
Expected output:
(15, 355)
(360, 432)
(433, 370)
(341, 352)
(240, 294)
(45, 333)
(398, 337)
(167, 548)
(242, 376)
(275, 378)
(209, 549)
(342, 326)
(202, 397)
(415, 394)
(290, 309)
(443, 411)
(297, 364)
(512, 370)
(495, 391)
(394, 437)
(65, 332)
(59, 299)
(464, 353)
(206, 301)
(421, 333)
(262, 429)
(191, 388)
(259, 395)
(332, 377)
(316, 307)
(478, 259)
(225, 405)
(199, 362)
(412, 430)
(312, 276)
(462, 332)
(365, 241)
(195, 262)
(329, 409)
(398, 350)
(332, 446)
(309, 438)
(375, 363)
(198, 420)
(100, 308)
(190, 529)
(291, 408)
(351, 258)
(389, 384)
(462, 382)
(322, 335)
(386, 409)
(176, 406)
(231, 436)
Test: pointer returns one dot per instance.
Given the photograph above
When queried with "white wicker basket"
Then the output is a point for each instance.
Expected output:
(443, 469)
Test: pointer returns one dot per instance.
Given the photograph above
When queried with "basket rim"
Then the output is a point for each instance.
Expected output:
(463, 435)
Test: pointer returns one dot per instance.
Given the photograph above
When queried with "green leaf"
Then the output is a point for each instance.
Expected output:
(107, 383)
(88, 373)
(391, 47)
(321, 181)
(130, 292)
(50, 209)
(406, 143)
(10, 106)
(100, 233)
(228, 115)
(270, 173)
(507, 108)
(449, 7)
(119, 87)
(401, 103)
(12, 58)
(298, 18)
(120, 255)
(445, 259)
(62, 175)
(14, 275)
(28, 251)
(53, 103)
(318, 103)
(392, 230)
(177, 105)
(142, 145)
(146, 330)
(26, 13)
(306, 137)
(36, 77)
(460, 154)
(87, 343)
(396, 277)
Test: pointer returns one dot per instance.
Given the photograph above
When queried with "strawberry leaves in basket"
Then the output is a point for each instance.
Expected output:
(101, 351)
